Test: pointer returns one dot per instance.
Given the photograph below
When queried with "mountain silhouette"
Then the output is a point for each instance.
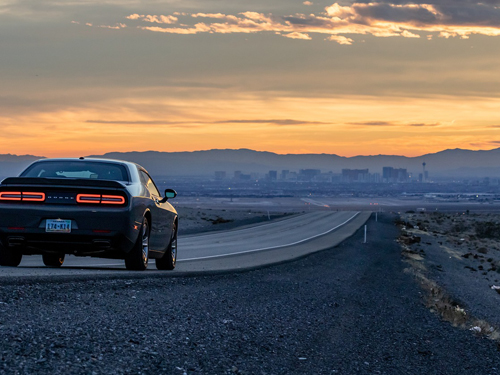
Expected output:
(458, 163)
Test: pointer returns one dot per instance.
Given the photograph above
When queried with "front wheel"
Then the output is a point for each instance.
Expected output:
(10, 257)
(53, 260)
(169, 259)
(137, 259)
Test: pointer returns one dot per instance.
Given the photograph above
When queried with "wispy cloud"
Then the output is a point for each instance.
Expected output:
(373, 123)
(407, 19)
(283, 122)
(278, 122)
(389, 123)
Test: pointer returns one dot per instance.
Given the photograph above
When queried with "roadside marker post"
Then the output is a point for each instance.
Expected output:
(376, 216)
(365, 235)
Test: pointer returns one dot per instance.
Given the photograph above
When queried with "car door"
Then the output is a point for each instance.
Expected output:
(162, 218)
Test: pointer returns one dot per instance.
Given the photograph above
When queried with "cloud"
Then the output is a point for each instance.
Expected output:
(282, 122)
(278, 122)
(297, 35)
(373, 123)
(421, 124)
(153, 18)
(175, 124)
(389, 123)
(340, 39)
(309, 3)
(395, 18)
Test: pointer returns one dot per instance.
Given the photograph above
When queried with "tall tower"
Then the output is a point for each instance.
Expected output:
(424, 179)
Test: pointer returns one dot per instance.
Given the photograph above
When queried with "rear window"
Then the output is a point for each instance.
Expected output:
(78, 169)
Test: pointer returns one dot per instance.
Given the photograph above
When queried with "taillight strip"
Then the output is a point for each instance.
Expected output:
(98, 198)
(88, 198)
(33, 197)
(11, 195)
(22, 196)
(112, 199)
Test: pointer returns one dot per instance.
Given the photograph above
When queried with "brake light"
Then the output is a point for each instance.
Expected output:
(88, 198)
(100, 199)
(22, 196)
(10, 196)
(112, 199)
(33, 197)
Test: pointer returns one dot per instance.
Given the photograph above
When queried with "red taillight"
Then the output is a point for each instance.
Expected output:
(98, 198)
(33, 197)
(11, 196)
(88, 198)
(22, 196)
(112, 199)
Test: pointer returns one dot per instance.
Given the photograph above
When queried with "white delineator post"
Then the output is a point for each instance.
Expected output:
(365, 235)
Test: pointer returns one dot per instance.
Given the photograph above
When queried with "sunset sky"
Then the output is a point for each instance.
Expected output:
(287, 76)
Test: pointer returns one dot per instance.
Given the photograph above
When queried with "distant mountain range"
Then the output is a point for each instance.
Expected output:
(448, 163)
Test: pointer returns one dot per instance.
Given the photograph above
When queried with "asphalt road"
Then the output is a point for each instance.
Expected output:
(250, 247)
(350, 309)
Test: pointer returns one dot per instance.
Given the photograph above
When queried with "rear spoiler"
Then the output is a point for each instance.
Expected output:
(50, 181)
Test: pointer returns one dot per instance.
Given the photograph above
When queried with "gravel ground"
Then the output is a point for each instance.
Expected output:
(347, 310)
(464, 263)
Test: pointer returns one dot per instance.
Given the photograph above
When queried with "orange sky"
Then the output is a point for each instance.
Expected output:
(305, 77)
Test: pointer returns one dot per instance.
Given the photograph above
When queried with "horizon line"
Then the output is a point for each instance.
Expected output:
(258, 151)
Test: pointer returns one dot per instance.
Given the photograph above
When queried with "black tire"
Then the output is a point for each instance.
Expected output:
(10, 257)
(169, 258)
(53, 260)
(137, 259)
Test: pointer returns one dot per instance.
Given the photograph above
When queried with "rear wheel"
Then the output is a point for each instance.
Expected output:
(137, 259)
(169, 259)
(53, 260)
(10, 257)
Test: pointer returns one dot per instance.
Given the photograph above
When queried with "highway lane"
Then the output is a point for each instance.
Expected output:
(264, 237)
(236, 249)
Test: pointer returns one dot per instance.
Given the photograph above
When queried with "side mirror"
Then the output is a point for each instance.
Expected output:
(169, 194)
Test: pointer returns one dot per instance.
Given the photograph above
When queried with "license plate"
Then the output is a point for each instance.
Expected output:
(58, 225)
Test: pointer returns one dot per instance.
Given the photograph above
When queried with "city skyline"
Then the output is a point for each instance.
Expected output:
(290, 77)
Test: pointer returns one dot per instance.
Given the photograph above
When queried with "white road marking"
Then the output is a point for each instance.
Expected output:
(272, 247)
(215, 233)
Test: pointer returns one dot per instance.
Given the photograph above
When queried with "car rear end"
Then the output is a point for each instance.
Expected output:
(72, 216)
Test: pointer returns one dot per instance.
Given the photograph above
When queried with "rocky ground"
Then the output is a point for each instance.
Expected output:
(456, 257)
(198, 220)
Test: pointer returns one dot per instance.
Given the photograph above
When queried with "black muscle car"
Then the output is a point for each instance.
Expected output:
(87, 207)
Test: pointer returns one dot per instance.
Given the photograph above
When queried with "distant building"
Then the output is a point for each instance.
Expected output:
(220, 175)
(239, 176)
(308, 174)
(390, 174)
(355, 175)
(284, 174)
(272, 175)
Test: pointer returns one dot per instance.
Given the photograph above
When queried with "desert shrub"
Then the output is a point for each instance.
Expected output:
(459, 227)
(488, 229)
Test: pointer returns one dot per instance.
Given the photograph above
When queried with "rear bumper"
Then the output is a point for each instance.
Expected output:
(104, 232)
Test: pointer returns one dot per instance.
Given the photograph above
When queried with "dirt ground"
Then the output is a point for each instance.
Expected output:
(194, 220)
(456, 257)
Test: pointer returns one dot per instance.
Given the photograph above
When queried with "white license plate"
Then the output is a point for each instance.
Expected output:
(58, 225)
